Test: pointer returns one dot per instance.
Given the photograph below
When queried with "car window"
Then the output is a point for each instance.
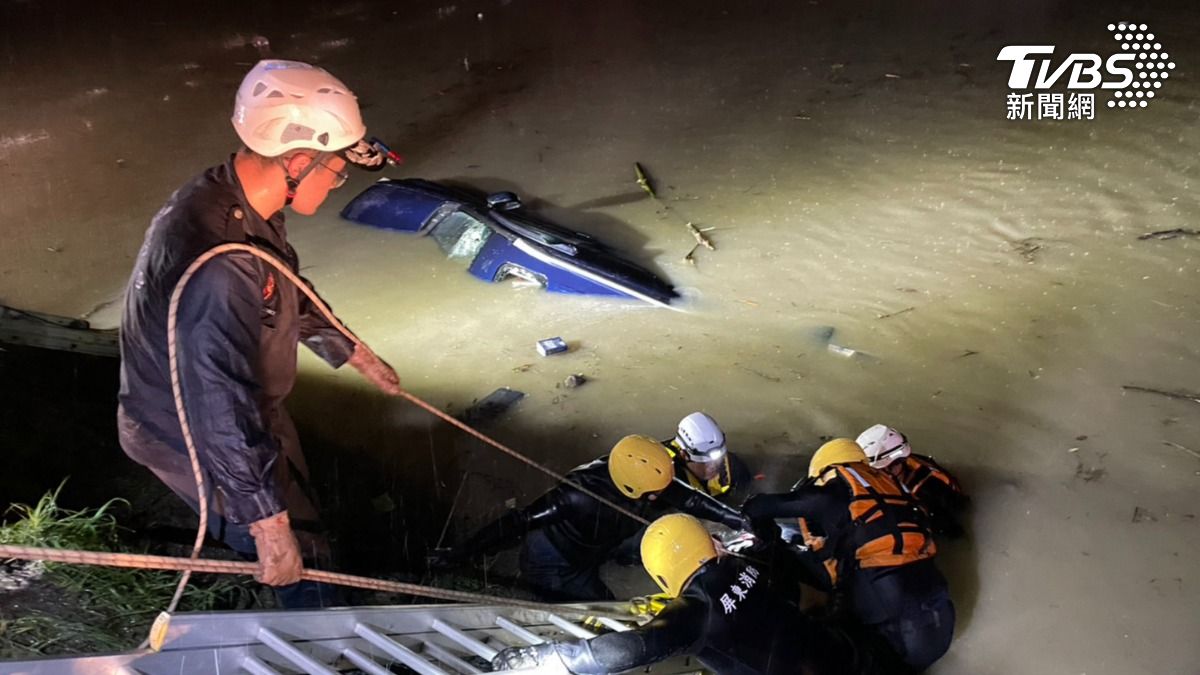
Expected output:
(460, 235)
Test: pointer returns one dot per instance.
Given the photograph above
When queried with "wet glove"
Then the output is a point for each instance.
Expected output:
(520, 658)
(649, 605)
(375, 370)
(279, 562)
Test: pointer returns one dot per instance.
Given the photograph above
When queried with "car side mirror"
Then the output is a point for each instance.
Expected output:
(503, 201)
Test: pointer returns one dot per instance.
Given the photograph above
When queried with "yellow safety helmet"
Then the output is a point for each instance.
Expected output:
(837, 451)
(673, 548)
(640, 464)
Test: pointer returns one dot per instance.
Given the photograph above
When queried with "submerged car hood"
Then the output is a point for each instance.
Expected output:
(416, 206)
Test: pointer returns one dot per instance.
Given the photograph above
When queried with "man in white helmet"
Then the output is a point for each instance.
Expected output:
(703, 459)
(240, 321)
(933, 487)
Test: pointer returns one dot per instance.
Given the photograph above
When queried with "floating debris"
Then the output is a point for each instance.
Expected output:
(1141, 515)
(896, 313)
(842, 351)
(700, 237)
(492, 406)
(1180, 395)
(1170, 234)
(643, 180)
(759, 373)
(1177, 446)
(690, 258)
(554, 345)
(1028, 248)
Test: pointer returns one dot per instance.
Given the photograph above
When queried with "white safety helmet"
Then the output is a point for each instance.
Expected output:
(700, 439)
(288, 105)
(883, 445)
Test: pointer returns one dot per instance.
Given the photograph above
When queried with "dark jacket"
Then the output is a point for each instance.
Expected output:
(728, 618)
(239, 322)
(587, 531)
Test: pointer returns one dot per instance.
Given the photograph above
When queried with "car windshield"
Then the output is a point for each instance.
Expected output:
(460, 235)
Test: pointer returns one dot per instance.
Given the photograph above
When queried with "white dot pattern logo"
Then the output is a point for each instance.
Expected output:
(1150, 63)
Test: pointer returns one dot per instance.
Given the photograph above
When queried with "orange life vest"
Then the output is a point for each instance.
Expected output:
(917, 472)
(888, 528)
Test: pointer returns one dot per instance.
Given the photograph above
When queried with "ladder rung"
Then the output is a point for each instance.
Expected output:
(519, 631)
(613, 624)
(397, 651)
(450, 658)
(466, 641)
(364, 663)
(256, 667)
(577, 631)
(293, 654)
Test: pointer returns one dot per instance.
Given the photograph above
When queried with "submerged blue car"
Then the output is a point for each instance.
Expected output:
(499, 239)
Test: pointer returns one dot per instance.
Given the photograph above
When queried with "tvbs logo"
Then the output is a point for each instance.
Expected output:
(1133, 75)
(1084, 68)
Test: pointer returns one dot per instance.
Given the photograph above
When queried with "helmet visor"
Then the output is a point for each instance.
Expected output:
(702, 456)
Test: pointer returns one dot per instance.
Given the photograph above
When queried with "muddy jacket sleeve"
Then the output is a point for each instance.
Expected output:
(693, 502)
(219, 323)
(512, 526)
(677, 630)
(319, 335)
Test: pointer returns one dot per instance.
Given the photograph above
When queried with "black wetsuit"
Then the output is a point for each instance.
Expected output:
(728, 618)
(909, 605)
(568, 534)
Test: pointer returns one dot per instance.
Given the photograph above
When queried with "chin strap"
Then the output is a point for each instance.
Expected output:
(294, 183)
(372, 156)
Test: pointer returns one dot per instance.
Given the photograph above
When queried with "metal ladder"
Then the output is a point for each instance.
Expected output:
(425, 639)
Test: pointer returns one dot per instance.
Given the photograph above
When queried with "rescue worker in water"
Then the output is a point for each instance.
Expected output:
(867, 537)
(703, 459)
(239, 323)
(722, 611)
(938, 492)
(567, 534)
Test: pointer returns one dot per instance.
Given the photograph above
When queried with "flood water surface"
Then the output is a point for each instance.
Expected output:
(865, 191)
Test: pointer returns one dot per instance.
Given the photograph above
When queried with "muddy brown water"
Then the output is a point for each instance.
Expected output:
(860, 174)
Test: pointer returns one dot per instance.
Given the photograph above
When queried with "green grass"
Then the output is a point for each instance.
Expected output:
(95, 609)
